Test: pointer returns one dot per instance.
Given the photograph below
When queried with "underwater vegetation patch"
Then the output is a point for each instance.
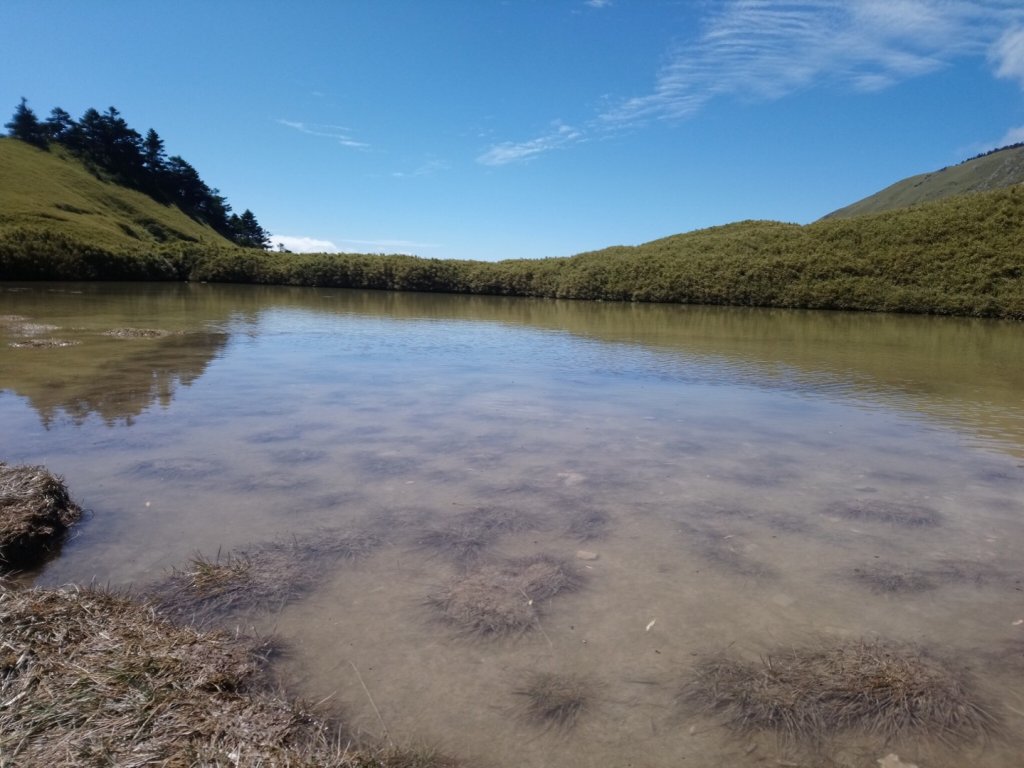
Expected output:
(555, 700)
(880, 511)
(504, 599)
(893, 691)
(263, 577)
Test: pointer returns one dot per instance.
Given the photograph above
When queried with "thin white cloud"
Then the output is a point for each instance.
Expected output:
(1008, 54)
(303, 244)
(767, 49)
(599, 3)
(560, 135)
(336, 132)
(428, 168)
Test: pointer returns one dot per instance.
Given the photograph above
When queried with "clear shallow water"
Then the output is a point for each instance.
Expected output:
(700, 452)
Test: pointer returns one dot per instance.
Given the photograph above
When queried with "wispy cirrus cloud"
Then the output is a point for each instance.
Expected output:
(427, 168)
(767, 49)
(1008, 54)
(598, 3)
(507, 152)
(336, 132)
(764, 50)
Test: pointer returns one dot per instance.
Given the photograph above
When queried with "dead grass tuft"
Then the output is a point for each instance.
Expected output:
(504, 599)
(35, 512)
(92, 678)
(803, 695)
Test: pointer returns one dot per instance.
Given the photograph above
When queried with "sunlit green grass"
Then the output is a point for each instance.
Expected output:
(960, 255)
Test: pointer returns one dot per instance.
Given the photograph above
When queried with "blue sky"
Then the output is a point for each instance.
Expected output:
(528, 128)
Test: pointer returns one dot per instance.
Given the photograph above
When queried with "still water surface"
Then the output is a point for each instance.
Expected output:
(705, 455)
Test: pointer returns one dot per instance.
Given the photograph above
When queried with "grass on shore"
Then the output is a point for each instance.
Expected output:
(90, 678)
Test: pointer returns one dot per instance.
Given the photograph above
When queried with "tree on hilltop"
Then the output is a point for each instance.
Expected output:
(153, 156)
(59, 125)
(26, 126)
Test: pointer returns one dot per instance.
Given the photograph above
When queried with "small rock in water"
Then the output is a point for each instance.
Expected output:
(892, 761)
(584, 554)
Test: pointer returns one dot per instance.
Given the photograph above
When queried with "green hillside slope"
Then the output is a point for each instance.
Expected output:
(52, 191)
(996, 170)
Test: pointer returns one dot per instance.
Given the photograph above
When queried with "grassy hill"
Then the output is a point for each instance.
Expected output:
(960, 255)
(59, 220)
(48, 189)
(995, 170)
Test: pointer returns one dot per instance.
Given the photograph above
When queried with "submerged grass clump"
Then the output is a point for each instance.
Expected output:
(35, 512)
(140, 333)
(463, 543)
(504, 599)
(881, 689)
(555, 700)
(500, 520)
(892, 512)
(888, 580)
(42, 343)
(588, 524)
(263, 577)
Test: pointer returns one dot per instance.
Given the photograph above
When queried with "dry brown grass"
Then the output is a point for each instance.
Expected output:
(35, 512)
(504, 599)
(261, 578)
(555, 700)
(89, 678)
(804, 695)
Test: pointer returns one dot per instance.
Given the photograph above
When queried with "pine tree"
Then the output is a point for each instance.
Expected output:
(25, 125)
(153, 152)
(59, 125)
(247, 231)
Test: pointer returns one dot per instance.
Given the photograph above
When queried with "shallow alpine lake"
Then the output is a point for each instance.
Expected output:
(719, 483)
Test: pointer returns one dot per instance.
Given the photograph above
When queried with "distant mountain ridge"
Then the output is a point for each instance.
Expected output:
(997, 169)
